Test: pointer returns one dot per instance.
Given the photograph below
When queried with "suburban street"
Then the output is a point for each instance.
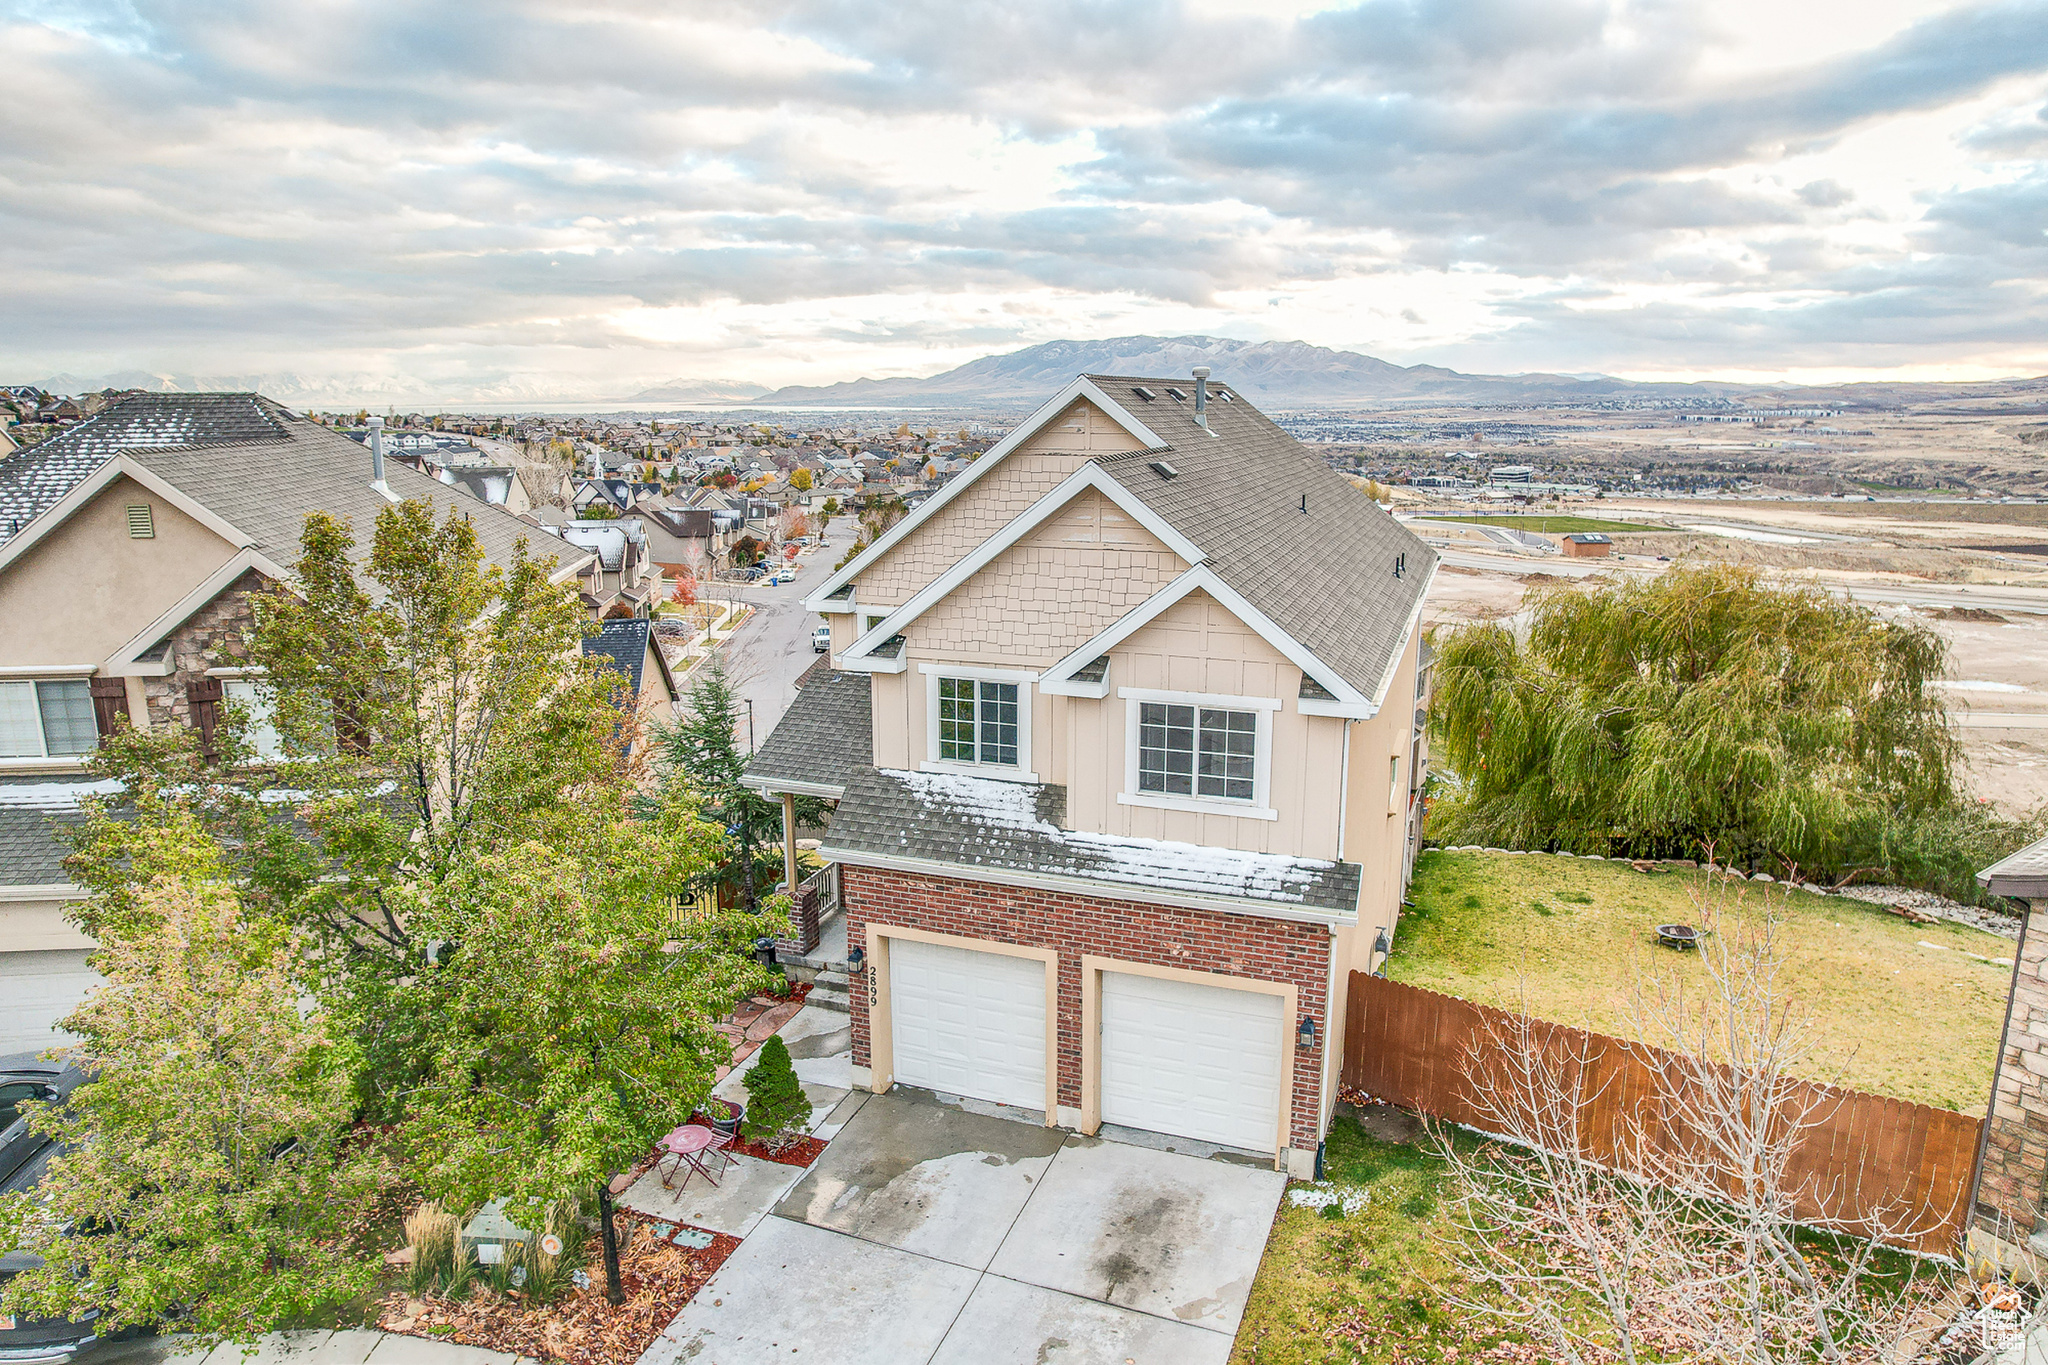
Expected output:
(770, 652)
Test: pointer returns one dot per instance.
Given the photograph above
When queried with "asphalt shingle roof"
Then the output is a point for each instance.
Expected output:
(625, 644)
(994, 826)
(251, 462)
(823, 740)
(2023, 874)
(1326, 576)
(33, 809)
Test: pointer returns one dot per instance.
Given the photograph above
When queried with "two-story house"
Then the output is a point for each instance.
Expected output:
(1122, 730)
(131, 546)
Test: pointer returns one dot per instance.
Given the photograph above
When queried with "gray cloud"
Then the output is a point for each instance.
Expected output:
(199, 186)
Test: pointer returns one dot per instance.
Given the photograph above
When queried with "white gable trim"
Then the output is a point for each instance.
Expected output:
(1202, 577)
(65, 507)
(1081, 387)
(124, 662)
(1087, 476)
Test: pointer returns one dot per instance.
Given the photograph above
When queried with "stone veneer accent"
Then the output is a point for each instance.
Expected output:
(215, 636)
(2010, 1186)
(1160, 935)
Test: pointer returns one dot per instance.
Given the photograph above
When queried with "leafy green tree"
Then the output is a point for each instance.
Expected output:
(570, 1008)
(1648, 717)
(207, 1176)
(452, 774)
(777, 1108)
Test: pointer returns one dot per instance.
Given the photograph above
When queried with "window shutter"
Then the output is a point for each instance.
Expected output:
(109, 703)
(204, 694)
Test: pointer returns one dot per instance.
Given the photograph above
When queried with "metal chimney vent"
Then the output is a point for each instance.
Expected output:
(1202, 396)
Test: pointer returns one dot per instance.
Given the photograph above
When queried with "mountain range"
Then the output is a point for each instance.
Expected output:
(1270, 373)
(1273, 374)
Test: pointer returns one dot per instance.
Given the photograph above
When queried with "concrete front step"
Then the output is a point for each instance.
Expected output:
(831, 991)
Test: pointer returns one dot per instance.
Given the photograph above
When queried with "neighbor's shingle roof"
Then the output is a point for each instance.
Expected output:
(625, 644)
(252, 463)
(2023, 874)
(1326, 576)
(976, 823)
(33, 810)
(825, 737)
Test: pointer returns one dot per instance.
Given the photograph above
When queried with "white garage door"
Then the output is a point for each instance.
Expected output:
(968, 1023)
(1196, 1061)
(36, 990)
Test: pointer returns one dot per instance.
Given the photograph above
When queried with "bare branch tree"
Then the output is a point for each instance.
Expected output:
(1650, 1194)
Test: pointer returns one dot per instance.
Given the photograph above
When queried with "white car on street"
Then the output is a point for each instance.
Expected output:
(821, 639)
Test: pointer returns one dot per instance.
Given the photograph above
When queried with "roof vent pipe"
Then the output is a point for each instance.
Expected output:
(377, 455)
(1202, 396)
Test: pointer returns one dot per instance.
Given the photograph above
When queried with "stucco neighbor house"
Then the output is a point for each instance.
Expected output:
(1122, 730)
(131, 546)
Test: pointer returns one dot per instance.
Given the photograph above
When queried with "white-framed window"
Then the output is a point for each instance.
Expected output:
(978, 720)
(262, 711)
(1194, 751)
(47, 718)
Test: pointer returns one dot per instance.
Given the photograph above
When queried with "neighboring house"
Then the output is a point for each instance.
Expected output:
(1588, 545)
(629, 646)
(2009, 1213)
(691, 542)
(1124, 740)
(497, 485)
(131, 546)
(620, 579)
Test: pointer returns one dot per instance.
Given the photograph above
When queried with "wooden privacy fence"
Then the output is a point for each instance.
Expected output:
(1863, 1158)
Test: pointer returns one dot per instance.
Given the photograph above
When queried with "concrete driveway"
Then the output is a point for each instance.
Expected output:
(930, 1233)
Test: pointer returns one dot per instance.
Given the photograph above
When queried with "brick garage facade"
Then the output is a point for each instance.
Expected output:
(215, 636)
(1158, 935)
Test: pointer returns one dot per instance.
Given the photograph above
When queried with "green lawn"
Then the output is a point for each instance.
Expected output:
(1904, 1008)
(1373, 1285)
(1553, 526)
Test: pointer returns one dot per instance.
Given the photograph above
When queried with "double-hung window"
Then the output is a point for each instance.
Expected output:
(47, 719)
(1197, 751)
(263, 736)
(978, 722)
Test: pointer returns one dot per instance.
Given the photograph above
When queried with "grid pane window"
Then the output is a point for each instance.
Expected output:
(68, 723)
(21, 730)
(1166, 749)
(1230, 741)
(978, 722)
(956, 720)
(47, 719)
(1197, 751)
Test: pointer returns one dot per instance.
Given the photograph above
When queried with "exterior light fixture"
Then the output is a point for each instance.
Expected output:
(856, 960)
(1305, 1033)
(1383, 945)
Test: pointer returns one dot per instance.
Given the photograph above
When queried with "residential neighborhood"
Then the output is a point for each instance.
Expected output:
(1205, 684)
(1095, 821)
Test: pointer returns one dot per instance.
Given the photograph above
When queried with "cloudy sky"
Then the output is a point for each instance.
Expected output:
(575, 196)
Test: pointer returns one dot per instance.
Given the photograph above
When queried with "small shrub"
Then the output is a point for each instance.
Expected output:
(777, 1108)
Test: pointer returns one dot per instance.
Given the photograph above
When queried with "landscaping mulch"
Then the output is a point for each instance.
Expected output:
(658, 1278)
(802, 1152)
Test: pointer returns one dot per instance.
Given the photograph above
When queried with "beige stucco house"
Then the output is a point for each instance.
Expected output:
(130, 546)
(1123, 735)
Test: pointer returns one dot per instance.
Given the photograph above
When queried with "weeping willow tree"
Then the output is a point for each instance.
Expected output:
(1785, 725)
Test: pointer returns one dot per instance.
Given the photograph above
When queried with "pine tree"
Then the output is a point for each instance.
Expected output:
(777, 1108)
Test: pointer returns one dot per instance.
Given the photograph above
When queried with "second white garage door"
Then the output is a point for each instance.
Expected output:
(968, 1023)
(1193, 1060)
(36, 990)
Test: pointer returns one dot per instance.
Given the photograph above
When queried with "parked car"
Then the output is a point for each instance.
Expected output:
(821, 639)
(24, 1156)
(24, 1078)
